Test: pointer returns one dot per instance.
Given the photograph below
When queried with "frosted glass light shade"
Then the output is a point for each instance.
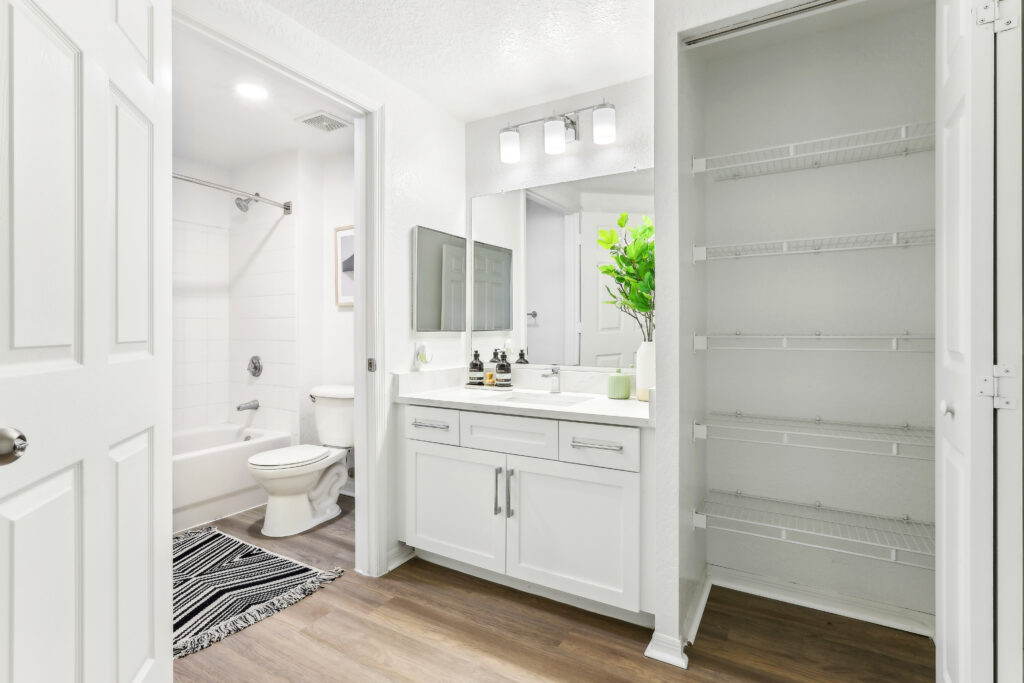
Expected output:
(604, 124)
(554, 135)
(508, 142)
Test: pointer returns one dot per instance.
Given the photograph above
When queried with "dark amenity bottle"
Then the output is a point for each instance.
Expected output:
(503, 372)
(476, 370)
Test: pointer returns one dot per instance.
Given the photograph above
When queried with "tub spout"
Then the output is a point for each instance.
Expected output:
(248, 405)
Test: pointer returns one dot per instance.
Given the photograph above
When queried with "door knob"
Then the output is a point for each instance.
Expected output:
(12, 445)
(947, 409)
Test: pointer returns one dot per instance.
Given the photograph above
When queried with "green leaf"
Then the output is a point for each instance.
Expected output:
(623, 219)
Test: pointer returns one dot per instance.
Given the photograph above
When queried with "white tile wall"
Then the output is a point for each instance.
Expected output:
(263, 302)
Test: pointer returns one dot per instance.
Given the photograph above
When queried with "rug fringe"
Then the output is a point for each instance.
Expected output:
(193, 532)
(254, 614)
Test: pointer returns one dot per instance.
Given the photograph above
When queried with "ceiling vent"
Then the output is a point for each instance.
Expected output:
(322, 120)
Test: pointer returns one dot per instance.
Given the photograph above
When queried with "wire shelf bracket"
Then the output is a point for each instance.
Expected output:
(905, 342)
(902, 541)
(841, 149)
(916, 443)
(815, 245)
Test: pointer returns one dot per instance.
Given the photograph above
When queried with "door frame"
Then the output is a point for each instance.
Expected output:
(371, 461)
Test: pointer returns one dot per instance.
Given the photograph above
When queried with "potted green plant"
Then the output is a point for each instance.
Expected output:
(632, 288)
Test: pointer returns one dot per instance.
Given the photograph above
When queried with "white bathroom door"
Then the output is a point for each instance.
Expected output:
(965, 130)
(85, 574)
(609, 338)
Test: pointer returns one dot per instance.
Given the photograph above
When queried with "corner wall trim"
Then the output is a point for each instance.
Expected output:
(399, 555)
(667, 649)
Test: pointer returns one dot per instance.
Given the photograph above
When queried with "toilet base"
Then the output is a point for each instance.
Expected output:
(290, 515)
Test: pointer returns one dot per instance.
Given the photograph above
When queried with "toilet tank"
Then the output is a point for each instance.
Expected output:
(334, 410)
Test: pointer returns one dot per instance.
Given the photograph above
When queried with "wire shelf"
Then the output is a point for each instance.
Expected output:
(906, 342)
(816, 245)
(906, 441)
(841, 149)
(902, 541)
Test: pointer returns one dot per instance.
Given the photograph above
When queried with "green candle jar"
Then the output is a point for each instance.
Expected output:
(618, 385)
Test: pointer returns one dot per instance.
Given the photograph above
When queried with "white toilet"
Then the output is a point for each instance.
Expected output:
(303, 482)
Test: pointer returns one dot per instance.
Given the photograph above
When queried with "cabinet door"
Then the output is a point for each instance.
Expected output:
(576, 529)
(455, 503)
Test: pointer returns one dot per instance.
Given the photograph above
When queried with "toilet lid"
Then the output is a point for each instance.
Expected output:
(292, 456)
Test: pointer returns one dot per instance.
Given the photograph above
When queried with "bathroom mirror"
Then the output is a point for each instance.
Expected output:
(492, 288)
(439, 281)
(546, 239)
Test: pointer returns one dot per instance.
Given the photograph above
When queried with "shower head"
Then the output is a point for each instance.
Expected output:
(243, 204)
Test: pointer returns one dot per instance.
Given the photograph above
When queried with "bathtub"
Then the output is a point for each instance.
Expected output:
(210, 471)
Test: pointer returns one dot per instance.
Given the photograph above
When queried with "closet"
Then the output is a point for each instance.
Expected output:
(812, 182)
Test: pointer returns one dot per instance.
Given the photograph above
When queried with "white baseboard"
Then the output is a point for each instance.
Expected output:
(399, 555)
(667, 649)
(901, 618)
(698, 609)
(639, 618)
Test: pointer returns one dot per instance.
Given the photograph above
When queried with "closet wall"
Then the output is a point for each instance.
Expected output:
(819, 366)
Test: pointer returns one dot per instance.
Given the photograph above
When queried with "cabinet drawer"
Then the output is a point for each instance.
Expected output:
(614, 447)
(439, 425)
(510, 434)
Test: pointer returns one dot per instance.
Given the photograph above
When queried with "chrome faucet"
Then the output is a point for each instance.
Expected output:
(248, 405)
(556, 374)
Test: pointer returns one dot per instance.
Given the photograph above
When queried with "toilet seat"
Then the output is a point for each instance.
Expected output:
(289, 457)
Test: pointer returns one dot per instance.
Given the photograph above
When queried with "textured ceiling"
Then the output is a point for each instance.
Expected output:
(480, 58)
(215, 126)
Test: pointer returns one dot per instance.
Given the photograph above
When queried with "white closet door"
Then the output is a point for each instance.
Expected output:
(965, 75)
(85, 571)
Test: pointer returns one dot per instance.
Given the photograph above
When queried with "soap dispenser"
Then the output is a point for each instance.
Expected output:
(522, 358)
(494, 358)
(476, 370)
(503, 372)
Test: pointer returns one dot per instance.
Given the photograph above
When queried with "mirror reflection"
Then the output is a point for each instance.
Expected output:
(439, 281)
(552, 253)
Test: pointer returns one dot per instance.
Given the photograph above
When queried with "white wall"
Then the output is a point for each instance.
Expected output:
(633, 148)
(200, 353)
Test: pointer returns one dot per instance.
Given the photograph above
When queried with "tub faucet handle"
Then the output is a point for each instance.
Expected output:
(248, 405)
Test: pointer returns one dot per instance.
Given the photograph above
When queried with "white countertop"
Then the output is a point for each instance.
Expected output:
(530, 403)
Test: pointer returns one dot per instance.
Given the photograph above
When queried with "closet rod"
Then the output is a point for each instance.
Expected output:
(759, 21)
(286, 206)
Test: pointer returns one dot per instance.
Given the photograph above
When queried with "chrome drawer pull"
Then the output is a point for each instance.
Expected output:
(508, 492)
(597, 446)
(497, 474)
(430, 425)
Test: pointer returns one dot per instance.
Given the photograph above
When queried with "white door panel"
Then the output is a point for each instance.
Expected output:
(455, 502)
(576, 529)
(964, 344)
(84, 315)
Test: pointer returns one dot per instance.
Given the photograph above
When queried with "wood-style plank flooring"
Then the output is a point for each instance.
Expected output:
(422, 622)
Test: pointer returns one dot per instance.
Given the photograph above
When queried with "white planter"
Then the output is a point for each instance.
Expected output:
(645, 373)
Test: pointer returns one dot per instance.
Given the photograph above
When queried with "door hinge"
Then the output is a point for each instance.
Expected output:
(371, 364)
(700, 431)
(988, 13)
(700, 520)
(989, 387)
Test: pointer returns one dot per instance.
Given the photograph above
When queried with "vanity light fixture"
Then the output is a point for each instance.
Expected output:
(604, 124)
(559, 129)
(508, 142)
(554, 135)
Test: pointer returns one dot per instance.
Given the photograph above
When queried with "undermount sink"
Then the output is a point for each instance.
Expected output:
(544, 399)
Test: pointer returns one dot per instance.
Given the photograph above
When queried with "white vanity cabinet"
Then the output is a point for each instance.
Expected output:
(535, 513)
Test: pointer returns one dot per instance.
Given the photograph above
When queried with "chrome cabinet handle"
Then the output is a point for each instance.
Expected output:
(497, 474)
(947, 410)
(430, 425)
(596, 446)
(508, 493)
(12, 445)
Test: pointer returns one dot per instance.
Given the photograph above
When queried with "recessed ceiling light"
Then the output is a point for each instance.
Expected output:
(251, 91)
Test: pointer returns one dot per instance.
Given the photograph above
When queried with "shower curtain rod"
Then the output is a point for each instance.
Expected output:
(286, 206)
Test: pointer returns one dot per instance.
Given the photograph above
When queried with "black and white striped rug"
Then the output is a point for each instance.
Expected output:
(223, 585)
